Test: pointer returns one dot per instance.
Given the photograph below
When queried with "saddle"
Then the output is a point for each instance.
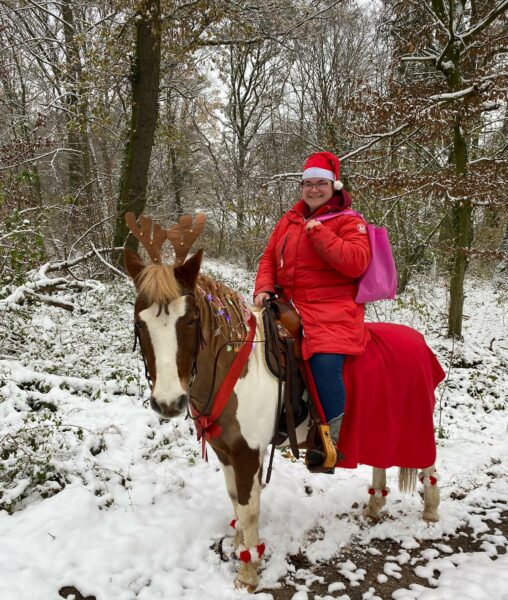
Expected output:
(282, 326)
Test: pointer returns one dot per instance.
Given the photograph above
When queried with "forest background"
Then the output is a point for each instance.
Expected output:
(175, 106)
(170, 107)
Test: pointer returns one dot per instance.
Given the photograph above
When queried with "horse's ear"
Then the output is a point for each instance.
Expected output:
(133, 263)
(187, 274)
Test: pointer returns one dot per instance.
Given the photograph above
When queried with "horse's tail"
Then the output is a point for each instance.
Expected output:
(407, 479)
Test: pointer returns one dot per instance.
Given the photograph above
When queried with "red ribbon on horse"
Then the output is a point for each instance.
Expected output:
(206, 425)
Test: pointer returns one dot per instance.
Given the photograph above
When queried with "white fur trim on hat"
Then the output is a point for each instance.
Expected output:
(317, 172)
(338, 185)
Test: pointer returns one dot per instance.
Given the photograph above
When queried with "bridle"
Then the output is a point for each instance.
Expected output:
(195, 414)
(200, 343)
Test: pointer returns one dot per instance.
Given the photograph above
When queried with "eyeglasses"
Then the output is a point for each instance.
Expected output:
(307, 185)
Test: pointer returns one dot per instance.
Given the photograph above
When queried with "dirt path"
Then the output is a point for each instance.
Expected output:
(316, 578)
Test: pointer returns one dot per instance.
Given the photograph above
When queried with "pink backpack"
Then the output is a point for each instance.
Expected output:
(379, 282)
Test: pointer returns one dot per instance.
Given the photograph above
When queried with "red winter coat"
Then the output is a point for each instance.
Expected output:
(318, 272)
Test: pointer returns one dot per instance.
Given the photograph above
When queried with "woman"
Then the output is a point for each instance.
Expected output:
(317, 261)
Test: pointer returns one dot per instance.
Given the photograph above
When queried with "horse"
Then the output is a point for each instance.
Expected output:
(198, 340)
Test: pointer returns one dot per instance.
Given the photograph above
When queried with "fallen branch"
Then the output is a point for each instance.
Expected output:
(18, 296)
(66, 264)
(51, 301)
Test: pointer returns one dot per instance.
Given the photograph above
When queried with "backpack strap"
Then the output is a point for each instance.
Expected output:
(348, 211)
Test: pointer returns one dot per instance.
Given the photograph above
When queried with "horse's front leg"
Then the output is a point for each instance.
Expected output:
(229, 476)
(248, 486)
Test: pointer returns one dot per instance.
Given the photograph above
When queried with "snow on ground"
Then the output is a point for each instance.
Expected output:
(97, 493)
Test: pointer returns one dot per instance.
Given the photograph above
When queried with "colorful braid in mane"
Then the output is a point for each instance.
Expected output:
(224, 310)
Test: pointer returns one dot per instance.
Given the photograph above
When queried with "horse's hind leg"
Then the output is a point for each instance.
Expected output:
(378, 493)
(430, 494)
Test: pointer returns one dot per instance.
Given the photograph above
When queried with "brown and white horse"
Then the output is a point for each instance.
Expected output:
(191, 330)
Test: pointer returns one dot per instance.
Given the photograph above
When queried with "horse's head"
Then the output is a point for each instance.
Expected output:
(166, 321)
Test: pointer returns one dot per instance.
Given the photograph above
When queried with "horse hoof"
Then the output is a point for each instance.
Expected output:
(373, 518)
(430, 517)
(242, 585)
(247, 576)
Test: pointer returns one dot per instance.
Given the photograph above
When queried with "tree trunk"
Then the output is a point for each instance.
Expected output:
(177, 175)
(177, 181)
(145, 95)
(500, 276)
(79, 167)
(462, 239)
(240, 183)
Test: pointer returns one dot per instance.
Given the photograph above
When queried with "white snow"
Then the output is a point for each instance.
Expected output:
(107, 498)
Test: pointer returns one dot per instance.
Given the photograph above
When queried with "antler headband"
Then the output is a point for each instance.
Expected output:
(181, 235)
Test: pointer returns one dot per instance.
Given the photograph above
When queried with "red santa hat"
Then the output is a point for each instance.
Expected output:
(325, 165)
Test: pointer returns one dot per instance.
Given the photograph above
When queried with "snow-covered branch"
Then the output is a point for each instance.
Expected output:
(449, 96)
(417, 58)
(38, 282)
(32, 289)
(376, 138)
(65, 264)
(282, 176)
(106, 263)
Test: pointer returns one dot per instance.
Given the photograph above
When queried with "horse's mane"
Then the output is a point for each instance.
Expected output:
(157, 283)
(223, 311)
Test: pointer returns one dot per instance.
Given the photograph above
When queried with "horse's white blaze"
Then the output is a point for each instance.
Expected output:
(257, 399)
(162, 330)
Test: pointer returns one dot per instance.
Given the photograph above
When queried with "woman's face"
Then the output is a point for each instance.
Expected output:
(316, 192)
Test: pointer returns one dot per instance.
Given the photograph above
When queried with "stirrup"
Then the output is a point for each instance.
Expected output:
(322, 460)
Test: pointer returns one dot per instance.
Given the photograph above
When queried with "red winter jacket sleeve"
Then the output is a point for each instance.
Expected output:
(267, 269)
(347, 251)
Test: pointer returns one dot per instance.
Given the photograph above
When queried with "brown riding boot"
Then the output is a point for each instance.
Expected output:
(317, 459)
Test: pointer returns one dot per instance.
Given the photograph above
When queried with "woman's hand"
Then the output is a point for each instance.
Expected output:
(258, 300)
(312, 224)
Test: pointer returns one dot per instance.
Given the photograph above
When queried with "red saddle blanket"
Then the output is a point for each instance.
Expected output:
(388, 418)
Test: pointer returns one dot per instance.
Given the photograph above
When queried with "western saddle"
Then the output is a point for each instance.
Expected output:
(283, 356)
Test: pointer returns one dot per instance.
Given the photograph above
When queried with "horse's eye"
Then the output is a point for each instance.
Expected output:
(139, 325)
(192, 321)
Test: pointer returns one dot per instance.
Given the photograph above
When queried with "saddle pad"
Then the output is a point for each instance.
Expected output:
(388, 419)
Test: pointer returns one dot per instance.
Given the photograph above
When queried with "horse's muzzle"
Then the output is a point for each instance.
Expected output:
(169, 411)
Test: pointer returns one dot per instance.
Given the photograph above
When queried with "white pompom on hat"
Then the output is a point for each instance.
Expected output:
(323, 164)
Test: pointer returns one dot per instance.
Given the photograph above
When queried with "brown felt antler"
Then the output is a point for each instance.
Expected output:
(151, 243)
(183, 235)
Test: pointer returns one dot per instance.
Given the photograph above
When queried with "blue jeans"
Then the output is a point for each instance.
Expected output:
(327, 373)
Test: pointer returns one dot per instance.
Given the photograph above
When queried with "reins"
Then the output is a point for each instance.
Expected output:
(137, 327)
